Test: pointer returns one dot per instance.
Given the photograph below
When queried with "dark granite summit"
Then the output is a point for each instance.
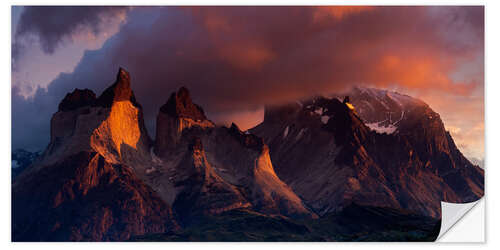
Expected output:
(180, 105)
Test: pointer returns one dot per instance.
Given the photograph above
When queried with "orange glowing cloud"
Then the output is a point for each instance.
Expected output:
(216, 23)
(248, 57)
(418, 72)
(338, 12)
(390, 46)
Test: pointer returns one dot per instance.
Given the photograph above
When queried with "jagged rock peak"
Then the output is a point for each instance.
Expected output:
(346, 99)
(234, 128)
(180, 105)
(119, 91)
(77, 99)
(247, 140)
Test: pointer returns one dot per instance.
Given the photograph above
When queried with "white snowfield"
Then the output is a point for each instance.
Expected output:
(380, 129)
(391, 128)
(403, 101)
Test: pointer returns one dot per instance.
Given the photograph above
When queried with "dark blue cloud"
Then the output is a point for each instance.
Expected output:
(54, 24)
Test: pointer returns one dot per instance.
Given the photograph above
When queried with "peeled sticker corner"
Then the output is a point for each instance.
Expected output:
(452, 213)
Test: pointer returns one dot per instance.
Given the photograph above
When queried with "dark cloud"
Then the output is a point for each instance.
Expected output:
(30, 119)
(239, 58)
(52, 25)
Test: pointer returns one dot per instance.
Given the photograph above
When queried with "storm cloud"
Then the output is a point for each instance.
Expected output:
(237, 59)
(53, 25)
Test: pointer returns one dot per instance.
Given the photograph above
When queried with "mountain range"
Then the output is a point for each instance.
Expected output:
(373, 164)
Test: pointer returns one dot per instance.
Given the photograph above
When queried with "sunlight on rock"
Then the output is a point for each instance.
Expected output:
(122, 127)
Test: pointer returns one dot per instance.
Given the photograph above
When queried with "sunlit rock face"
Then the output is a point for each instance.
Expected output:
(94, 167)
(100, 144)
(112, 124)
(194, 166)
(122, 136)
(118, 132)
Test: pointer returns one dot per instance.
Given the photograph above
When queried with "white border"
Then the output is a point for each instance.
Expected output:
(461, 230)
(492, 125)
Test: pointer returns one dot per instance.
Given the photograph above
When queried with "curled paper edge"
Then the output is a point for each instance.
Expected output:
(451, 213)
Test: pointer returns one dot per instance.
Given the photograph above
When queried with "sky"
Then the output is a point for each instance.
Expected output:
(235, 60)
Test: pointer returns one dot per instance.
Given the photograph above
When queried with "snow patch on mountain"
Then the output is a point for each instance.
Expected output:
(150, 170)
(285, 133)
(381, 129)
(300, 134)
(324, 119)
(155, 158)
(400, 119)
(319, 111)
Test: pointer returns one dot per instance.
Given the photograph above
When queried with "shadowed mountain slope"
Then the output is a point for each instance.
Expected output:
(324, 150)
